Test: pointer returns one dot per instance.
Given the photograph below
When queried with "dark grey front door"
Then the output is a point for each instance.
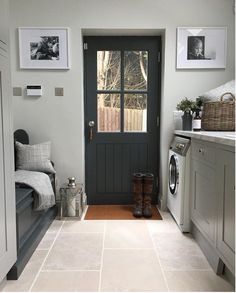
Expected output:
(122, 114)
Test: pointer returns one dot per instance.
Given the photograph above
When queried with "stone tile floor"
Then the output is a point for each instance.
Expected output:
(113, 256)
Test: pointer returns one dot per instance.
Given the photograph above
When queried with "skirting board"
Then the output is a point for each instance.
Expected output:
(162, 203)
(32, 244)
(229, 276)
(3, 284)
(210, 253)
(208, 250)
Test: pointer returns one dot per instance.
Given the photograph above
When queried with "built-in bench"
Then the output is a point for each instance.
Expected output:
(30, 225)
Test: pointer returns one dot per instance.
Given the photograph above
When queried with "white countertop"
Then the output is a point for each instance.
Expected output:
(221, 137)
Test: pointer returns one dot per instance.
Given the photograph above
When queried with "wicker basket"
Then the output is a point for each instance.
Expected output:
(219, 115)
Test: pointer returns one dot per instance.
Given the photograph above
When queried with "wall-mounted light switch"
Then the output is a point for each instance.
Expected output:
(17, 91)
(59, 91)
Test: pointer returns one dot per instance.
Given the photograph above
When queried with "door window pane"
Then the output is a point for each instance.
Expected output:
(108, 112)
(135, 70)
(108, 70)
(135, 112)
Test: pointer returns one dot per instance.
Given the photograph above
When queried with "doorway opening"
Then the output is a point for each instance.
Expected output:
(122, 114)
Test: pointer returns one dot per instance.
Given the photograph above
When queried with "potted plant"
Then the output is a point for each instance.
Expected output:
(196, 107)
(187, 106)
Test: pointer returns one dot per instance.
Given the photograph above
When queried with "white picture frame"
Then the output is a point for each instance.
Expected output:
(44, 48)
(201, 47)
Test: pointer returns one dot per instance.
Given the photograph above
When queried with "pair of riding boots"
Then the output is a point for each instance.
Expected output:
(142, 190)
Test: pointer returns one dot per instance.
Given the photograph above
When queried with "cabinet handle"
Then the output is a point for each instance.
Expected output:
(201, 151)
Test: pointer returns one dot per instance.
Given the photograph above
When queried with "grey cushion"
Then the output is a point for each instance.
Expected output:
(215, 94)
(34, 157)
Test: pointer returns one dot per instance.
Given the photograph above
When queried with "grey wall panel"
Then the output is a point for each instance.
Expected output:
(7, 191)
(3, 232)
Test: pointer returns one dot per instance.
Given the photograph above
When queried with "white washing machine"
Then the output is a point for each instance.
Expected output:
(178, 198)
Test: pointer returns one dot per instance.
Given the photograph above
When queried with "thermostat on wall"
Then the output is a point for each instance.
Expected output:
(34, 90)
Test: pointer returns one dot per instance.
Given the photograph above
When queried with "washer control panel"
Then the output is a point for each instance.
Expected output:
(180, 145)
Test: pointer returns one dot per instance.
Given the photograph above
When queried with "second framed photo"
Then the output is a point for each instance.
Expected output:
(201, 47)
(44, 48)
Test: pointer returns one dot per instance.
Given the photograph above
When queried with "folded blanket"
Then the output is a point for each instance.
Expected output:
(40, 182)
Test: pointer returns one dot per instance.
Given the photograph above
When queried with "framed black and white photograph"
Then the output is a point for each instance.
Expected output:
(201, 47)
(44, 48)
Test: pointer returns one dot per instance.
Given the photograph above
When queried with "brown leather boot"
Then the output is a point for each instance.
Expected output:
(148, 180)
(138, 195)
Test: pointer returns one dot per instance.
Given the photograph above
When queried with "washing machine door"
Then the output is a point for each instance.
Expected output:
(173, 174)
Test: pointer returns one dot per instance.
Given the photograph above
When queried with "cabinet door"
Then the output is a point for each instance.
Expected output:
(226, 208)
(203, 199)
(7, 192)
(4, 14)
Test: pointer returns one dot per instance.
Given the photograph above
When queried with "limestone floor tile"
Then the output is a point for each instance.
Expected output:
(166, 215)
(47, 241)
(178, 251)
(75, 251)
(27, 277)
(67, 281)
(127, 234)
(131, 270)
(167, 225)
(55, 226)
(196, 281)
(83, 226)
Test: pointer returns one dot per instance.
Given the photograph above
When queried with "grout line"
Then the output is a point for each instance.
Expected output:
(101, 266)
(158, 258)
(40, 269)
(73, 232)
(128, 248)
(84, 213)
(189, 270)
(69, 270)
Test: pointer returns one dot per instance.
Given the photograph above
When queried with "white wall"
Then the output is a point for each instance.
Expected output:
(60, 119)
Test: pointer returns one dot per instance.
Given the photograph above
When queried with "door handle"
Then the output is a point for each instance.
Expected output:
(91, 125)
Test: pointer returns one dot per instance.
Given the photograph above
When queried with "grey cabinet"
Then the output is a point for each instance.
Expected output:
(203, 189)
(4, 15)
(213, 200)
(7, 192)
(226, 207)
